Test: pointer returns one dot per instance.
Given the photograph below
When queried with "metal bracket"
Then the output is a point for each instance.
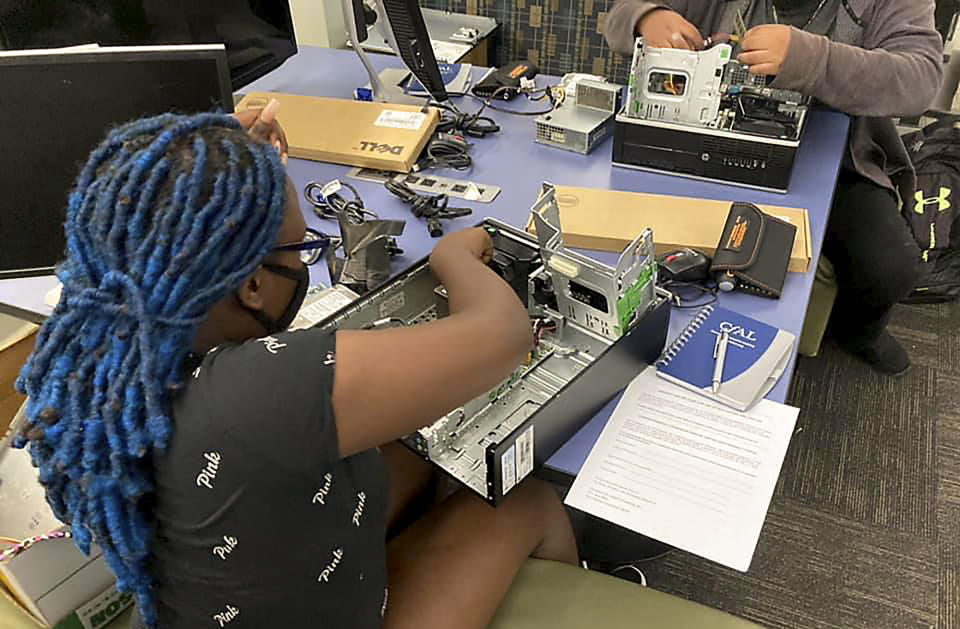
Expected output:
(603, 299)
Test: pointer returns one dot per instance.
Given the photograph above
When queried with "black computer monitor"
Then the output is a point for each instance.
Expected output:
(407, 35)
(57, 107)
(258, 34)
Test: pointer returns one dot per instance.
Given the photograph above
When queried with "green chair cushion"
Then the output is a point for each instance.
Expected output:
(550, 595)
(822, 296)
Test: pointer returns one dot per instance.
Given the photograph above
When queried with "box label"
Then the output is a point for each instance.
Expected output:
(324, 303)
(392, 304)
(393, 119)
(101, 610)
(508, 469)
(525, 453)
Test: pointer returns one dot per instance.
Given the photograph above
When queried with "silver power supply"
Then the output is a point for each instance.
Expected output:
(581, 125)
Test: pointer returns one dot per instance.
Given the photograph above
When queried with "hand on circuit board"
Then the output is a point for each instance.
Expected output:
(765, 48)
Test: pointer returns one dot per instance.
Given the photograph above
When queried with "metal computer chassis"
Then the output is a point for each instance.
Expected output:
(493, 442)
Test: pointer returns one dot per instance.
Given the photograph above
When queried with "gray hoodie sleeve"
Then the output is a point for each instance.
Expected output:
(619, 27)
(897, 72)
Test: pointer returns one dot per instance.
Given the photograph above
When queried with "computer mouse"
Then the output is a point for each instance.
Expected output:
(684, 265)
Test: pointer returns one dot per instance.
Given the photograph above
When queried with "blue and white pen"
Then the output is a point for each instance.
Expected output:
(719, 356)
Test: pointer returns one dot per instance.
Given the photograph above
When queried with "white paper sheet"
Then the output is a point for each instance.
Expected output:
(448, 52)
(685, 470)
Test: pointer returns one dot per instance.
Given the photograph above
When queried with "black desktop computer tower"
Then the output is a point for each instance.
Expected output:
(704, 153)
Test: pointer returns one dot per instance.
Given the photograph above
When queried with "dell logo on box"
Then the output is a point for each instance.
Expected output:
(377, 147)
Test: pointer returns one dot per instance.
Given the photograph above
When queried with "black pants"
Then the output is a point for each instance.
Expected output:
(874, 254)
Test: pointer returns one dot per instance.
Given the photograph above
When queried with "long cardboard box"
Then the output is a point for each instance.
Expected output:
(369, 135)
(608, 220)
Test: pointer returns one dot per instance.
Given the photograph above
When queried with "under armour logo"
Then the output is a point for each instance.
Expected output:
(942, 201)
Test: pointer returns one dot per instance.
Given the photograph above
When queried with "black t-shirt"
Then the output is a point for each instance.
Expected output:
(260, 523)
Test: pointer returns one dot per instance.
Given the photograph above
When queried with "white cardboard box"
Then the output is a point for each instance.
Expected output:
(52, 579)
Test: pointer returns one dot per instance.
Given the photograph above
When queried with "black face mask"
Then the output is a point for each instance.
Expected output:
(302, 276)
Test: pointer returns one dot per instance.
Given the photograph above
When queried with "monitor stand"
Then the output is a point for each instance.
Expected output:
(382, 92)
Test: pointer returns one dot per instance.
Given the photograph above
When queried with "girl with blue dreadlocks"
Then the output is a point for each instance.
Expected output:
(238, 475)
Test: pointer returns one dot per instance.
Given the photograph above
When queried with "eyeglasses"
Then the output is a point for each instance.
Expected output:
(311, 248)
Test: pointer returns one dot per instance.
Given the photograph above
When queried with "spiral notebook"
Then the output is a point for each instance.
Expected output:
(757, 356)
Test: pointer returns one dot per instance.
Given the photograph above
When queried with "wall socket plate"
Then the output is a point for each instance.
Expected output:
(431, 184)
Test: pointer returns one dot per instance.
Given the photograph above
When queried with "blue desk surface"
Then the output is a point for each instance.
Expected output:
(512, 160)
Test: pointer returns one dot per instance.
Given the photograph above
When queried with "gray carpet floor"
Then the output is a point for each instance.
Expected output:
(864, 528)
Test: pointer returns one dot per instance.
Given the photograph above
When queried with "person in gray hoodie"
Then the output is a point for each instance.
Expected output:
(872, 59)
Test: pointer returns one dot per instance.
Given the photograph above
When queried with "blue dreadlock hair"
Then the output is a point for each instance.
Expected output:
(169, 215)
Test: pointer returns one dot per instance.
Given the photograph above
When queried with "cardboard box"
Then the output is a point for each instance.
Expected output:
(16, 343)
(608, 220)
(52, 580)
(106, 611)
(369, 135)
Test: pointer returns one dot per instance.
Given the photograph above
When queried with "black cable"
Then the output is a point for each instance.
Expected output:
(445, 151)
(333, 205)
(472, 125)
(433, 207)
(539, 112)
(541, 92)
(680, 302)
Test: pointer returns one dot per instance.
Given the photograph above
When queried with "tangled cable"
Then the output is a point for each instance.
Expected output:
(432, 207)
(327, 202)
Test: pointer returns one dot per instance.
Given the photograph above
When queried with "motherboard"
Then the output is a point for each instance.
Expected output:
(710, 89)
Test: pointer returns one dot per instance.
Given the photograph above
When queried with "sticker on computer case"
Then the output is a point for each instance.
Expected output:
(391, 304)
(393, 119)
(525, 453)
(508, 469)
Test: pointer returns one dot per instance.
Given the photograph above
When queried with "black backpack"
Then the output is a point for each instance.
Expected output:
(934, 211)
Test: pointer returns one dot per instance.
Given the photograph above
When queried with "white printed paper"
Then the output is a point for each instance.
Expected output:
(448, 52)
(525, 454)
(394, 119)
(508, 469)
(683, 469)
